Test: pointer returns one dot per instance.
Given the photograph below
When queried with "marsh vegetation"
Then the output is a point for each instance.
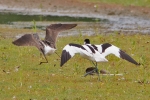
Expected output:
(22, 78)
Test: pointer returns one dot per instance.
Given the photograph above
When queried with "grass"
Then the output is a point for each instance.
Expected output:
(144, 3)
(51, 82)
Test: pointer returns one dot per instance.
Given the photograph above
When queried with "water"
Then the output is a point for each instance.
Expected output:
(19, 20)
(89, 23)
(8, 18)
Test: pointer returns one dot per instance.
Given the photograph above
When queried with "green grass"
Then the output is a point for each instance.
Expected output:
(144, 3)
(51, 82)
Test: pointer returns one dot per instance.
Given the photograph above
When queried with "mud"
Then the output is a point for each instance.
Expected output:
(120, 19)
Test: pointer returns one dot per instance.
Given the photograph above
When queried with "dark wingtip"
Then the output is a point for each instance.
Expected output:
(65, 56)
(61, 26)
(14, 42)
(70, 26)
(17, 43)
(139, 64)
(62, 59)
(61, 64)
(125, 56)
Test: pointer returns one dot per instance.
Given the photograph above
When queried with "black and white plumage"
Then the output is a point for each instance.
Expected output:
(86, 51)
(96, 53)
(48, 45)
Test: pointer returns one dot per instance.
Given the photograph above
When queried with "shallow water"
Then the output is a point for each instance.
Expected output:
(89, 24)
(8, 18)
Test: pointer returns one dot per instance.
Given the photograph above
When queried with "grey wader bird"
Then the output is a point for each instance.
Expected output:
(48, 45)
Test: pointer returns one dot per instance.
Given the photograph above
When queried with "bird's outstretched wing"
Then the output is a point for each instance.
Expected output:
(27, 40)
(70, 50)
(125, 56)
(106, 49)
(53, 30)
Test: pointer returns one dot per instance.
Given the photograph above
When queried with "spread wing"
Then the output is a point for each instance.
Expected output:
(70, 50)
(53, 30)
(106, 49)
(86, 51)
(27, 40)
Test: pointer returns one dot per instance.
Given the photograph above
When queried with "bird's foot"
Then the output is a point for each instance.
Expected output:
(42, 63)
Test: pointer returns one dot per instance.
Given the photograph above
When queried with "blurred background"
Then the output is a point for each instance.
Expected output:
(92, 16)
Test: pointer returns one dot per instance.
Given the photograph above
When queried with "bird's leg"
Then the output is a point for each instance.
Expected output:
(45, 59)
(97, 71)
(57, 54)
(90, 72)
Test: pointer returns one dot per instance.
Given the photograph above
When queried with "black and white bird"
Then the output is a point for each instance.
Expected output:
(95, 53)
(48, 45)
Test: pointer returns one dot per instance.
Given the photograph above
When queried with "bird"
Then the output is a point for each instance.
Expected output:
(94, 53)
(89, 69)
(102, 72)
(46, 46)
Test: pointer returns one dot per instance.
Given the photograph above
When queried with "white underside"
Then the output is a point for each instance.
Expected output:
(48, 50)
(87, 54)
(99, 58)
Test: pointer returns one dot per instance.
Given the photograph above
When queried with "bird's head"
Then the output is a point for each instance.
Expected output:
(86, 41)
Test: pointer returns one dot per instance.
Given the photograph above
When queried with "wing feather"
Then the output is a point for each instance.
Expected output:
(27, 40)
(111, 49)
(70, 50)
(53, 30)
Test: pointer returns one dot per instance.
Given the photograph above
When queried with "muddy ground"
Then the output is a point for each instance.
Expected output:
(121, 18)
(72, 6)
